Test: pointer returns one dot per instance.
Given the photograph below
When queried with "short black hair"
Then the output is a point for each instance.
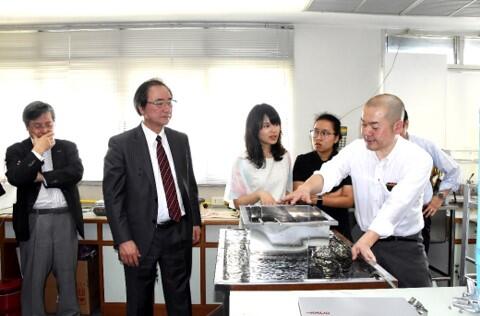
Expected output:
(141, 95)
(336, 126)
(405, 116)
(36, 109)
(252, 142)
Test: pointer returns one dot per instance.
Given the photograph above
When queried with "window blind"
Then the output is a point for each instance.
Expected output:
(90, 75)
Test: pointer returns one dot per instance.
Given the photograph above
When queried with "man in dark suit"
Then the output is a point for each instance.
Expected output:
(151, 200)
(47, 213)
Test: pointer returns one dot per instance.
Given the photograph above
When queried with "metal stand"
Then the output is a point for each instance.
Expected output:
(449, 275)
(469, 301)
(465, 230)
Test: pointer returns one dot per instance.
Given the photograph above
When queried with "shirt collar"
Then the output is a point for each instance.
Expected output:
(332, 154)
(399, 140)
(150, 135)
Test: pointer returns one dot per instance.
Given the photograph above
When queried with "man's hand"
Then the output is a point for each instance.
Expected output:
(39, 177)
(362, 249)
(314, 198)
(300, 194)
(43, 143)
(363, 246)
(128, 253)
(433, 206)
(196, 234)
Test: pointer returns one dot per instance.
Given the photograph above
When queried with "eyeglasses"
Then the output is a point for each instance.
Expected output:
(161, 103)
(47, 125)
(322, 133)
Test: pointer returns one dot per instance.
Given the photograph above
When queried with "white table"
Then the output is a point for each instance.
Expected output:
(252, 303)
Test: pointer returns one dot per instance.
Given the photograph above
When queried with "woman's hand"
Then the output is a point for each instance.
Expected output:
(266, 198)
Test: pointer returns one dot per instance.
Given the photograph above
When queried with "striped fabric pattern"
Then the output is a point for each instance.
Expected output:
(168, 183)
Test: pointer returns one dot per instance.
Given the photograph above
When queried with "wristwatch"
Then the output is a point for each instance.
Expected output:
(320, 201)
(441, 195)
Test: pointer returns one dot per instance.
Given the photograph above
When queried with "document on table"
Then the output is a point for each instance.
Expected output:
(358, 306)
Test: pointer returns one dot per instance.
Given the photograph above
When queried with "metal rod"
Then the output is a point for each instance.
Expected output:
(412, 6)
(441, 278)
(465, 226)
(359, 5)
(451, 248)
(140, 25)
(462, 8)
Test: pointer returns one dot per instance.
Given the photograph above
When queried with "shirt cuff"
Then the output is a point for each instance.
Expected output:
(382, 227)
(445, 185)
(40, 157)
(326, 184)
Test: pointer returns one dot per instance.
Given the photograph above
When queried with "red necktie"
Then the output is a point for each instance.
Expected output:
(168, 183)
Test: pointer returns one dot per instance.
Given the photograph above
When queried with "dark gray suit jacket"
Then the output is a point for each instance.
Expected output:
(129, 190)
(22, 169)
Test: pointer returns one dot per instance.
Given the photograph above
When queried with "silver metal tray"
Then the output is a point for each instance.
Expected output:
(287, 225)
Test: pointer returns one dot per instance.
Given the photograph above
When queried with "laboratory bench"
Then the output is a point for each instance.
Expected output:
(438, 301)
(111, 281)
(204, 297)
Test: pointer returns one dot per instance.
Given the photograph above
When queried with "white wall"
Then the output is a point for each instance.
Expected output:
(336, 70)
(423, 94)
(462, 110)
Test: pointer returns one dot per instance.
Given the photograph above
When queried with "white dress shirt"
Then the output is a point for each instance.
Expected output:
(443, 162)
(151, 137)
(48, 197)
(397, 212)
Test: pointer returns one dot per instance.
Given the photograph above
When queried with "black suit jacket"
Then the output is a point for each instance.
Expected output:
(129, 190)
(22, 169)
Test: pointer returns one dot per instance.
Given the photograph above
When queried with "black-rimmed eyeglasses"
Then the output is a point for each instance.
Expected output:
(322, 133)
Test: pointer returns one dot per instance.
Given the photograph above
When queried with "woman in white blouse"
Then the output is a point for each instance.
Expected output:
(262, 175)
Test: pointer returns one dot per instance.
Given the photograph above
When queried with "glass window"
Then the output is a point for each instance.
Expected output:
(89, 77)
(422, 45)
(471, 51)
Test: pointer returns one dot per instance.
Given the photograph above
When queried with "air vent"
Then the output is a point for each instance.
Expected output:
(454, 8)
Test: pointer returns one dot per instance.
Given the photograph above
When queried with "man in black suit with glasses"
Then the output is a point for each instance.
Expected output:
(151, 200)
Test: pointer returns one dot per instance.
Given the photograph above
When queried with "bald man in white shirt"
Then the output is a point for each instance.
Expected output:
(389, 175)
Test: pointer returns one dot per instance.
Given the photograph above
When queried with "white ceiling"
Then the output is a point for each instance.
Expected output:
(439, 15)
